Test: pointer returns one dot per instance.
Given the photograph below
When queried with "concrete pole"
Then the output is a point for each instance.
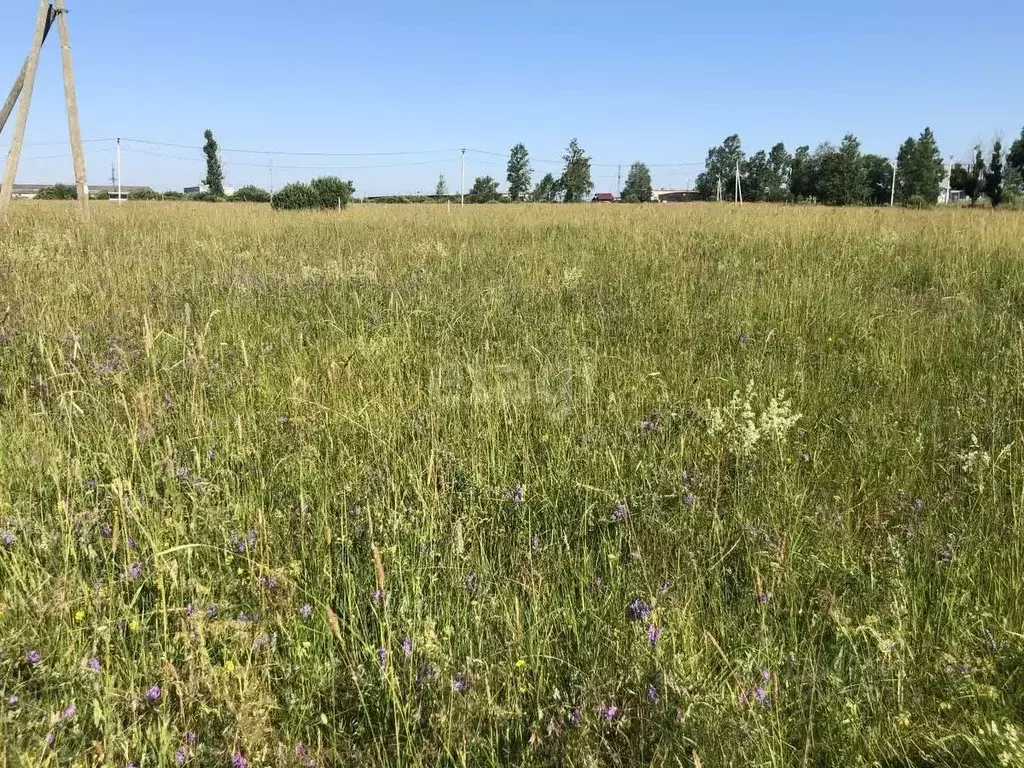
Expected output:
(12, 97)
(74, 128)
(18, 139)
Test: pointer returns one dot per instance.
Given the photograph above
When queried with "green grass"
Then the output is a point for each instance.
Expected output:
(173, 377)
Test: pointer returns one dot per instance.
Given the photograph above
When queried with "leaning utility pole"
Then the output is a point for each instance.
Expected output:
(24, 85)
(19, 82)
(14, 155)
(74, 128)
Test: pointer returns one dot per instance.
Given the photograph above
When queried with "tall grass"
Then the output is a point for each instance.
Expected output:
(511, 486)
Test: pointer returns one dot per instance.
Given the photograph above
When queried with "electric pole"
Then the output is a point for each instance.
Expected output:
(120, 199)
(892, 193)
(18, 139)
(74, 128)
(949, 182)
(19, 82)
(462, 185)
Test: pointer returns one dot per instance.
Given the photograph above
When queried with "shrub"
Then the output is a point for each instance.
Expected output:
(296, 196)
(330, 191)
(143, 194)
(173, 194)
(250, 194)
(58, 192)
(204, 197)
(324, 192)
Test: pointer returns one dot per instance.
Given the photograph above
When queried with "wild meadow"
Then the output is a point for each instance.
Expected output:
(678, 485)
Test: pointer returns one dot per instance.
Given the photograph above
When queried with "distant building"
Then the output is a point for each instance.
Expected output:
(203, 189)
(674, 195)
(30, 191)
(603, 197)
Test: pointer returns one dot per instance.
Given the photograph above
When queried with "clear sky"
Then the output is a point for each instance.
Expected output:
(658, 81)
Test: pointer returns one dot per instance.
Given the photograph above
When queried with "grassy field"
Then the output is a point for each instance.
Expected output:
(533, 485)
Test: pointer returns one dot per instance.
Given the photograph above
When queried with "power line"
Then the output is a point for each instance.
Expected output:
(293, 154)
(233, 163)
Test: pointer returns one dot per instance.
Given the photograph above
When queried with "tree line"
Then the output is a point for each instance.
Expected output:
(843, 175)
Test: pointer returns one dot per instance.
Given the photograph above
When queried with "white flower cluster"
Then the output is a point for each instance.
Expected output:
(975, 458)
(744, 429)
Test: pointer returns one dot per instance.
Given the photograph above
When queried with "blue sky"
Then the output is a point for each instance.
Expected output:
(656, 81)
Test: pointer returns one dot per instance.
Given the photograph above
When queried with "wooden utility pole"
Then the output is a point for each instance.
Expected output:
(74, 128)
(19, 82)
(26, 99)
(24, 86)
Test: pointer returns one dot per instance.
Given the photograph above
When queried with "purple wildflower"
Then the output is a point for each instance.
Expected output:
(575, 716)
(131, 543)
(189, 609)
(51, 739)
(764, 598)
(620, 511)
(90, 484)
(153, 694)
(407, 648)
(918, 504)
(269, 582)
(243, 618)
(179, 756)
(69, 712)
(762, 696)
(190, 738)
(535, 542)
(666, 585)
(211, 611)
(106, 530)
(689, 500)
(653, 634)
(306, 611)
(33, 657)
(471, 582)
(8, 539)
(425, 674)
(134, 571)
(608, 711)
(378, 596)
(93, 664)
(638, 610)
(382, 655)
(239, 761)
(460, 684)
(515, 494)
(766, 676)
(263, 641)
(12, 701)
(652, 693)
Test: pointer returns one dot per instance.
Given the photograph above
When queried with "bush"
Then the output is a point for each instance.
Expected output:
(324, 192)
(143, 194)
(58, 192)
(330, 191)
(918, 201)
(99, 196)
(173, 194)
(250, 194)
(204, 197)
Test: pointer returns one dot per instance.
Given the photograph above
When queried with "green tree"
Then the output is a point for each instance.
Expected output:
(546, 190)
(638, 184)
(974, 187)
(485, 189)
(878, 176)
(755, 176)
(1015, 166)
(843, 180)
(518, 173)
(959, 177)
(325, 193)
(575, 184)
(58, 192)
(919, 170)
(720, 164)
(214, 173)
(779, 164)
(994, 175)
(441, 190)
(803, 175)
